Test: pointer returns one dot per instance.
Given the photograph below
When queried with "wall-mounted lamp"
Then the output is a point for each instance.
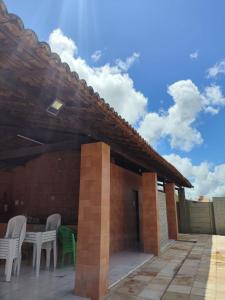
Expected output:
(55, 107)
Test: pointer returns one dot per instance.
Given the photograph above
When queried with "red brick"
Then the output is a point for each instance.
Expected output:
(123, 234)
(93, 222)
(150, 214)
(171, 211)
(45, 185)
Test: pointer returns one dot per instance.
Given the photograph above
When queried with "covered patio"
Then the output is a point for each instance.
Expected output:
(59, 284)
(64, 150)
(190, 268)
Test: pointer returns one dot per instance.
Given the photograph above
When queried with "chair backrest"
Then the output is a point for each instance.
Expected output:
(53, 222)
(15, 226)
(66, 237)
(16, 229)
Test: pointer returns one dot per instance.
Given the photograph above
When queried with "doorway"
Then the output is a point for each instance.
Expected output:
(137, 215)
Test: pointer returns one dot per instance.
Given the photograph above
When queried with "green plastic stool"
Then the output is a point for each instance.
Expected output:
(67, 240)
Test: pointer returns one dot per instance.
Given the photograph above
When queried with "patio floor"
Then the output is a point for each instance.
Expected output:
(192, 268)
(59, 284)
(125, 262)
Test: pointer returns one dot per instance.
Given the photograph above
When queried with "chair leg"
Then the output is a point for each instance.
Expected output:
(38, 259)
(9, 264)
(34, 255)
(19, 265)
(55, 253)
(62, 261)
(15, 266)
(48, 256)
(70, 256)
(74, 258)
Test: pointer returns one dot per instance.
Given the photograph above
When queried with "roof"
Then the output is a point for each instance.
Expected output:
(31, 77)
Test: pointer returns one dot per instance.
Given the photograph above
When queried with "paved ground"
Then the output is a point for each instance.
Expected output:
(59, 284)
(192, 268)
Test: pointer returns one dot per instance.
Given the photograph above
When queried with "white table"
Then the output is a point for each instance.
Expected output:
(38, 239)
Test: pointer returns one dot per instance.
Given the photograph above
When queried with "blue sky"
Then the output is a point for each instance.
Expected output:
(162, 53)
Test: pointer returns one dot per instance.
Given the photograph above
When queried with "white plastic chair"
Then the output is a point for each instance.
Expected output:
(53, 222)
(10, 246)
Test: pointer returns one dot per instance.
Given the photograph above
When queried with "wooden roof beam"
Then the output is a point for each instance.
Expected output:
(40, 149)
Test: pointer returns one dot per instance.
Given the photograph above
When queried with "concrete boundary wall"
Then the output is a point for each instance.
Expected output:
(219, 214)
(201, 217)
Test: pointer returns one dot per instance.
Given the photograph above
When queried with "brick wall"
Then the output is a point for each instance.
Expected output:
(50, 184)
(122, 210)
(5, 195)
(47, 185)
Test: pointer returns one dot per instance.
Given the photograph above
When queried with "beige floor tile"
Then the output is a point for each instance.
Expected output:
(131, 287)
(220, 287)
(198, 291)
(195, 297)
(117, 296)
(209, 285)
(179, 289)
(206, 297)
(183, 280)
(201, 274)
(143, 278)
(164, 280)
(203, 292)
(174, 296)
(200, 284)
(220, 296)
(146, 271)
(150, 294)
(157, 287)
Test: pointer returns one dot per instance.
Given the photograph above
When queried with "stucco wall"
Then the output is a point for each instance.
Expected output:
(163, 218)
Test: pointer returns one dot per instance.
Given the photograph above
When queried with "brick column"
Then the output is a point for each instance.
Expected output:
(93, 222)
(150, 214)
(184, 215)
(171, 210)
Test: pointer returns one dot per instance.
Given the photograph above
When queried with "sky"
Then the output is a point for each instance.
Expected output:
(159, 63)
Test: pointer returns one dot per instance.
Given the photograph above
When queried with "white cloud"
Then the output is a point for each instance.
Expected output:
(125, 65)
(178, 123)
(214, 96)
(208, 180)
(194, 55)
(218, 68)
(96, 55)
(212, 110)
(112, 82)
(62, 44)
